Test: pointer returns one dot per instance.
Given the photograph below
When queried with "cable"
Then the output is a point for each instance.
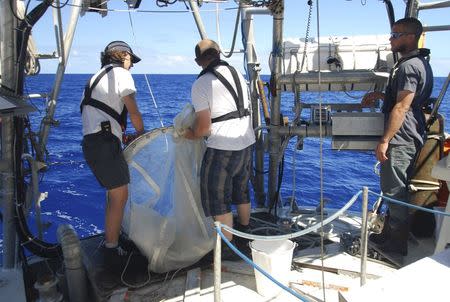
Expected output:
(59, 6)
(322, 252)
(145, 75)
(238, 14)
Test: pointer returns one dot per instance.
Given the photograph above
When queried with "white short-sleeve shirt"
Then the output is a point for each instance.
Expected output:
(110, 90)
(209, 93)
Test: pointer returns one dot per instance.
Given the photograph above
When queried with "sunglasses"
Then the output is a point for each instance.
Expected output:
(395, 35)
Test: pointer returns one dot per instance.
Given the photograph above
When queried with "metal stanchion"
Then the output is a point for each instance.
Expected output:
(217, 265)
(364, 236)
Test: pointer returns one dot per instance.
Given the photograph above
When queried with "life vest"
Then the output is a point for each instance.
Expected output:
(238, 97)
(391, 96)
(121, 118)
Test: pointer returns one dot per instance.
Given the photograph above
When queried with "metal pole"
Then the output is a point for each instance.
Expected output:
(8, 79)
(198, 19)
(274, 137)
(47, 121)
(217, 265)
(253, 73)
(433, 5)
(35, 167)
(364, 236)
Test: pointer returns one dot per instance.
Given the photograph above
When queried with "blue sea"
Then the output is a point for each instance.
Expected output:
(75, 197)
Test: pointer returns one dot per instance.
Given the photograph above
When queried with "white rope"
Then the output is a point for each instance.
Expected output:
(322, 251)
(312, 228)
(425, 182)
(145, 75)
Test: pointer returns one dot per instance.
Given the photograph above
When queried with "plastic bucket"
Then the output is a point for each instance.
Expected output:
(275, 257)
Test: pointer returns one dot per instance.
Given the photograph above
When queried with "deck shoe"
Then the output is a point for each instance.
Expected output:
(242, 244)
(228, 254)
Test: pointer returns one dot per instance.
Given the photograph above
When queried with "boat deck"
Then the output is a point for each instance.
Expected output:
(196, 283)
(337, 267)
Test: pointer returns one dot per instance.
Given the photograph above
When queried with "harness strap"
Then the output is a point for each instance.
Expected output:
(88, 100)
(238, 97)
(422, 53)
(229, 116)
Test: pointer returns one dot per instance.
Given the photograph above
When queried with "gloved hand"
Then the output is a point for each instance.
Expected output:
(128, 138)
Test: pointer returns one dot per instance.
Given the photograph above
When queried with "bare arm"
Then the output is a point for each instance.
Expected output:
(133, 111)
(202, 125)
(396, 119)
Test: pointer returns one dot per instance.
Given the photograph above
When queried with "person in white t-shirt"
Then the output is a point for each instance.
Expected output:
(223, 114)
(107, 98)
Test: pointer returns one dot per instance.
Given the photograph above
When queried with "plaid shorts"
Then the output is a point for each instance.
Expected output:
(103, 154)
(224, 179)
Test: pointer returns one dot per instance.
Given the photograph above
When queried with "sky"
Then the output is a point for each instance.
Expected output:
(165, 37)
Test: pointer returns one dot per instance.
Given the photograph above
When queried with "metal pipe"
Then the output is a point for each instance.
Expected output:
(274, 137)
(304, 130)
(217, 265)
(35, 167)
(47, 121)
(198, 19)
(341, 77)
(436, 28)
(253, 70)
(432, 5)
(364, 236)
(256, 11)
(73, 263)
(8, 79)
(58, 30)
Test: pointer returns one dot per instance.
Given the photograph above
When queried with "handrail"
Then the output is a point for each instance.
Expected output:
(313, 228)
(402, 203)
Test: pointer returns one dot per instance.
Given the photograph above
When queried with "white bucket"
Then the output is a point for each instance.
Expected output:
(274, 257)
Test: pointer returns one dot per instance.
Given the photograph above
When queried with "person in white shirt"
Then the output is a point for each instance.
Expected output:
(108, 96)
(223, 114)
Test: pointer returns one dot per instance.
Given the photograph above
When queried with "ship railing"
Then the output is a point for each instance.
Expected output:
(364, 239)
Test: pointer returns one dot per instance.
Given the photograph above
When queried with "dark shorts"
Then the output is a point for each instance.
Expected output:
(224, 179)
(103, 154)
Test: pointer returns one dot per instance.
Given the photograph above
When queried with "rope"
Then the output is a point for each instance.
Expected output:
(312, 228)
(145, 75)
(322, 251)
(413, 206)
(250, 262)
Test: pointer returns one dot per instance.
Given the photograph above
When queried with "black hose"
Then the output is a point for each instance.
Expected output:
(27, 239)
(23, 35)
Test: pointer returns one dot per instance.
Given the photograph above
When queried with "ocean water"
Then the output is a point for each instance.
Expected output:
(75, 197)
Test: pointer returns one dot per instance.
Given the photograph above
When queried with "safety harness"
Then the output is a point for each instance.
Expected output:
(390, 96)
(88, 100)
(238, 98)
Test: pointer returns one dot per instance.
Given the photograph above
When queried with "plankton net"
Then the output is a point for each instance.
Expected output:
(163, 214)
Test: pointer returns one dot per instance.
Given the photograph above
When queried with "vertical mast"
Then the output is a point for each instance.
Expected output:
(275, 120)
(8, 80)
(253, 71)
